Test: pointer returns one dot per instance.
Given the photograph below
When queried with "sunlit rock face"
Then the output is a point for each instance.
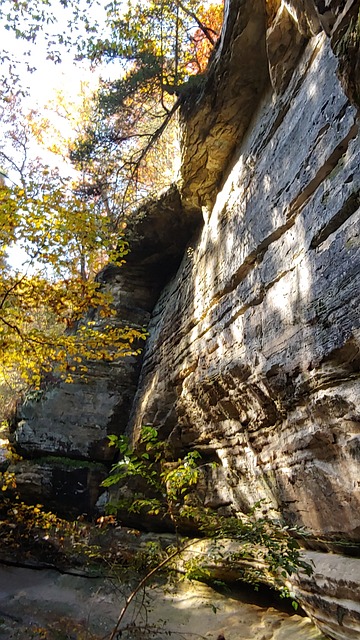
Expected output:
(340, 20)
(253, 349)
(253, 355)
(331, 595)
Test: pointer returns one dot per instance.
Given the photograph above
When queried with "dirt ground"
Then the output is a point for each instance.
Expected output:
(45, 604)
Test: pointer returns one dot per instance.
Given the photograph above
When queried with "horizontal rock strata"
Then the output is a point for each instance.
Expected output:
(332, 594)
(253, 354)
(253, 348)
(72, 421)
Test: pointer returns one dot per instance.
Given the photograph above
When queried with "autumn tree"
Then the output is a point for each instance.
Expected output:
(48, 238)
(158, 49)
(62, 223)
(203, 41)
(155, 49)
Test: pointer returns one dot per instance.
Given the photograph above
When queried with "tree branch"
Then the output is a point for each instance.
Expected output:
(142, 582)
(153, 138)
(206, 31)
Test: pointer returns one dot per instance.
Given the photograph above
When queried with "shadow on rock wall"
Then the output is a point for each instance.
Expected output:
(253, 349)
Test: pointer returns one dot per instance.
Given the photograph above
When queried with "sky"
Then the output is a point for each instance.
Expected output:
(50, 77)
(43, 83)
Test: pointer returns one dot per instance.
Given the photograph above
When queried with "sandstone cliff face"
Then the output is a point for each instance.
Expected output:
(253, 354)
(253, 349)
(62, 431)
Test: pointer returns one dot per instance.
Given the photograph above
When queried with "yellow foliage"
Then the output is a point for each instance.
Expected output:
(63, 239)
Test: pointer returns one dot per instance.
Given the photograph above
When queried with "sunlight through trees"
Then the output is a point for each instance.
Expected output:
(64, 222)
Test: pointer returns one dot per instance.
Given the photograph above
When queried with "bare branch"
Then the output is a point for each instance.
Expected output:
(144, 581)
(10, 290)
(14, 327)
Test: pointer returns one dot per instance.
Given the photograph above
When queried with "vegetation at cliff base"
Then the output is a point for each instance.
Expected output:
(169, 490)
(250, 548)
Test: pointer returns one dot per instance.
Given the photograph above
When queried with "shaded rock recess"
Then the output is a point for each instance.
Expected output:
(246, 274)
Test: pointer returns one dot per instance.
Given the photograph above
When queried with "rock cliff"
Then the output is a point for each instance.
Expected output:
(249, 269)
(253, 345)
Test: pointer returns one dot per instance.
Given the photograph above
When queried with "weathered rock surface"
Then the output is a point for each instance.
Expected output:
(332, 594)
(260, 43)
(64, 485)
(68, 424)
(218, 113)
(340, 21)
(284, 44)
(253, 354)
(72, 421)
(253, 348)
(345, 40)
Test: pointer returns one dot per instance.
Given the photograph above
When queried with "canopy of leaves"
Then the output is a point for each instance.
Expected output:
(56, 242)
(158, 48)
(65, 227)
(155, 48)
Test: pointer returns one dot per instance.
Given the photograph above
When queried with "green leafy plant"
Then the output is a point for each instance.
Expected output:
(254, 549)
(166, 482)
(132, 463)
(264, 550)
